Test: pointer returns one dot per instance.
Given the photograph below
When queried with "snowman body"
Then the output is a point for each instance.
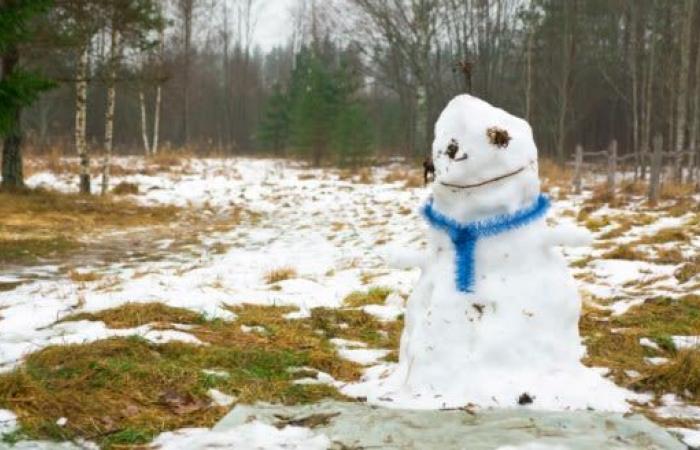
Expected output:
(493, 319)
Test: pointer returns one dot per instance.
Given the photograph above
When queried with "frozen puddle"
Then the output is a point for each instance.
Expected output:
(359, 425)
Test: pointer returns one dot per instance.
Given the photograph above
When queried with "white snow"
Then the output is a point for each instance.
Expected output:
(221, 399)
(8, 421)
(364, 356)
(534, 446)
(328, 230)
(646, 342)
(685, 342)
(251, 436)
(690, 437)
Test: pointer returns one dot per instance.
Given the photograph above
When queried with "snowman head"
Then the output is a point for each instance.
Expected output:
(483, 156)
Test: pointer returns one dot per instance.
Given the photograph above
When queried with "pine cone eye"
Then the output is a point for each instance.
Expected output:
(498, 137)
(452, 149)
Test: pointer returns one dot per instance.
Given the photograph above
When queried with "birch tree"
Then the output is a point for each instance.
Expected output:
(683, 77)
(130, 23)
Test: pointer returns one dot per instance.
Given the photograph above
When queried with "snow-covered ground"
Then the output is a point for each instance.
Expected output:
(330, 230)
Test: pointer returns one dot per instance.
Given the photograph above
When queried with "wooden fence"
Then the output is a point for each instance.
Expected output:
(656, 161)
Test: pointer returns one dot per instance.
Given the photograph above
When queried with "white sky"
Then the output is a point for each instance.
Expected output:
(274, 24)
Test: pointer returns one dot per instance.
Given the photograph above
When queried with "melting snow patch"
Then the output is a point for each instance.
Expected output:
(674, 408)
(656, 361)
(690, 437)
(221, 399)
(216, 373)
(254, 435)
(685, 342)
(8, 421)
(363, 356)
(646, 342)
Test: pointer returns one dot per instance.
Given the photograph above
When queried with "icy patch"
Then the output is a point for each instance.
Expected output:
(690, 437)
(254, 435)
(359, 425)
(534, 446)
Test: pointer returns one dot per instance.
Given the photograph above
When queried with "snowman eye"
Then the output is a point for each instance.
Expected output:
(452, 149)
(498, 137)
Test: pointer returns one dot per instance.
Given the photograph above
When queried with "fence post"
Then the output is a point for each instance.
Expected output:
(655, 171)
(578, 168)
(612, 168)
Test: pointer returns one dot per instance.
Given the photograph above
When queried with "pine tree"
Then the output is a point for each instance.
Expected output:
(273, 131)
(315, 99)
(352, 137)
(18, 87)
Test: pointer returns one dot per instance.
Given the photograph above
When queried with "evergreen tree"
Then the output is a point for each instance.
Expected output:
(315, 98)
(273, 131)
(18, 87)
(352, 134)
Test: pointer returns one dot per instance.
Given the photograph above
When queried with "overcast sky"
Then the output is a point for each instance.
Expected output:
(274, 23)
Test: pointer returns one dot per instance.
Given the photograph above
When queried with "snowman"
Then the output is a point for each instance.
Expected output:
(493, 319)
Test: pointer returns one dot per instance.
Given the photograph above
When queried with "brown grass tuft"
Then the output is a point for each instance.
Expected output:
(280, 274)
(373, 296)
(125, 188)
(625, 251)
(410, 178)
(132, 315)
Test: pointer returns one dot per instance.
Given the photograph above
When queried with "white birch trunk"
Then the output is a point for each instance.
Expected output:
(156, 121)
(648, 103)
(109, 113)
(144, 123)
(682, 98)
(81, 75)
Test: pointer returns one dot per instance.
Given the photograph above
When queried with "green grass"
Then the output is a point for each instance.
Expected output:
(124, 391)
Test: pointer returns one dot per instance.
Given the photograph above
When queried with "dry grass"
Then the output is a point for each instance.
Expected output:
(688, 271)
(84, 277)
(125, 188)
(125, 391)
(665, 235)
(410, 178)
(554, 175)
(673, 191)
(373, 296)
(658, 319)
(168, 158)
(280, 274)
(42, 223)
(625, 251)
(132, 315)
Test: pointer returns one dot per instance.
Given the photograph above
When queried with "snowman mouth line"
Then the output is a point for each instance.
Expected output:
(491, 180)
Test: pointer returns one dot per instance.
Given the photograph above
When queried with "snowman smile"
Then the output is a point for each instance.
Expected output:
(481, 183)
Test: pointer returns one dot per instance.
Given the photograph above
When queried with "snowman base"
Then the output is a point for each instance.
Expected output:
(579, 388)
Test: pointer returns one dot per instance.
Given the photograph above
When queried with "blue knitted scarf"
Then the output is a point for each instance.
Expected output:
(465, 236)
